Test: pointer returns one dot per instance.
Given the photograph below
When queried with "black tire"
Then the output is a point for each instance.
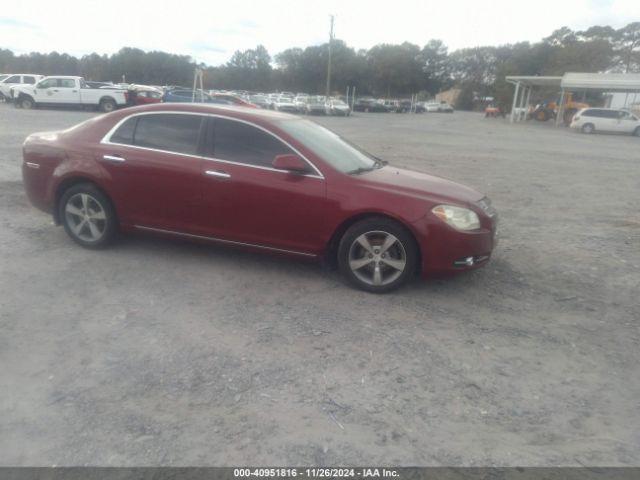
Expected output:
(636, 132)
(404, 249)
(108, 226)
(107, 105)
(26, 102)
(588, 128)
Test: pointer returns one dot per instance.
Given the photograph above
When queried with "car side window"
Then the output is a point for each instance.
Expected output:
(67, 83)
(29, 80)
(124, 134)
(14, 79)
(238, 142)
(52, 82)
(169, 132)
(609, 114)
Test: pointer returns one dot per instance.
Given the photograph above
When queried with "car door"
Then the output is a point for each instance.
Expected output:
(626, 122)
(263, 206)
(154, 167)
(67, 91)
(49, 91)
(609, 120)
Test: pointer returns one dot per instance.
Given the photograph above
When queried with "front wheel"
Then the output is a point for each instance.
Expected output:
(636, 132)
(377, 255)
(588, 128)
(26, 102)
(88, 216)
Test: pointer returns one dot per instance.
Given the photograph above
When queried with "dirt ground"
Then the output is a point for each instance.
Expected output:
(159, 352)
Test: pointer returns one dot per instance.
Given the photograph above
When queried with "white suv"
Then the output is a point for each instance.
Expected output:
(589, 120)
(14, 80)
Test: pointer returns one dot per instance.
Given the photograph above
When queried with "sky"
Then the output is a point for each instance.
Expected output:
(211, 31)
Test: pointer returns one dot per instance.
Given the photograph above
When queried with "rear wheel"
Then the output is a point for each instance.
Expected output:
(588, 128)
(88, 216)
(636, 132)
(377, 255)
(107, 105)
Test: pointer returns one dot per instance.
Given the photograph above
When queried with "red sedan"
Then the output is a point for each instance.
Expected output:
(259, 180)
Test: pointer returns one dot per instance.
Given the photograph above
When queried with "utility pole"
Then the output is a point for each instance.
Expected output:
(329, 62)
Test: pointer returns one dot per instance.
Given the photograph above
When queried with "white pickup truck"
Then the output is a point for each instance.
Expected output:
(68, 91)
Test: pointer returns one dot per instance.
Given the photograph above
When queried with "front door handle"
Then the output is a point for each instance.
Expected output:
(113, 158)
(215, 173)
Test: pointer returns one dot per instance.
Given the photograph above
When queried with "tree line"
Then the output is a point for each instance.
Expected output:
(383, 70)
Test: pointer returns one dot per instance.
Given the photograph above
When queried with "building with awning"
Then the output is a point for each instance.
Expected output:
(570, 82)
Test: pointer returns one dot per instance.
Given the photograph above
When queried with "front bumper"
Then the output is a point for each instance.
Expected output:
(447, 250)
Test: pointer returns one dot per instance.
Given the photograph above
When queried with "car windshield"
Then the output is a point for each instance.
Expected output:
(338, 102)
(335, 150)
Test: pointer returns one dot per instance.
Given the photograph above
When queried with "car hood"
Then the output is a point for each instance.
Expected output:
(420, 184)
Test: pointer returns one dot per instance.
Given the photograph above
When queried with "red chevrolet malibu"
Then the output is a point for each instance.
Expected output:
(259, 180)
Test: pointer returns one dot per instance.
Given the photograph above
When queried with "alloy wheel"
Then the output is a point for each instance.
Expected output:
(85, 217)
(377, 258)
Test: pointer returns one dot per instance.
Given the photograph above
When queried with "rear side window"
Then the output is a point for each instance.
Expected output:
(124, 133)
(170, 132)
(601, 113)
(30, 80)
(66, 83)
(242, 143)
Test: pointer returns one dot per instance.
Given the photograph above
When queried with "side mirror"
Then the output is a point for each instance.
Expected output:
(290, 162)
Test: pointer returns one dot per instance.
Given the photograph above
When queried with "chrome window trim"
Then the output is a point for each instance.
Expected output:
(106, 140)
(221, 240)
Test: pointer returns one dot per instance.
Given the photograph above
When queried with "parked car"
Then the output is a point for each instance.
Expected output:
(239, 177)
(145, 96)
(285, 104)
(611, 120)
(369, 105)
(315, 105)
(231, 100)
(336, 106)
(261, 101)
(69, 91)
(16, 80)
(445, 108)
(301, 102)
(184, 95)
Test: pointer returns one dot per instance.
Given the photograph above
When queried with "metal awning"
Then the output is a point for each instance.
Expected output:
(534, 80)
(571, 81)
(619, 82)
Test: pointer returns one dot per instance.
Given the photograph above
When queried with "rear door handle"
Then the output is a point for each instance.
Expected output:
(215, 173)
(113, 158)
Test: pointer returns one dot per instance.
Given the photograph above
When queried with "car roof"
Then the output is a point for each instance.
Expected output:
(214, 109)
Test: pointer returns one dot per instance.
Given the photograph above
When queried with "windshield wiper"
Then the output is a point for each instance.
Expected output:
(380, 163)
(358, 170)
(377, 164)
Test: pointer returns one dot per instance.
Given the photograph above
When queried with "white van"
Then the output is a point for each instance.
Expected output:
(613, 120)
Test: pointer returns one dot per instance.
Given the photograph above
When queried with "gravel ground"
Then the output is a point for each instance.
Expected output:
(159, 352)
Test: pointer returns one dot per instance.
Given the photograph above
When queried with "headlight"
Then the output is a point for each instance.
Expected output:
(457, 217)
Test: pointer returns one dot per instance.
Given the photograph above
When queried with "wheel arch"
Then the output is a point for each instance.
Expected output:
(331, 249)
(107, 97)
(69, 182)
